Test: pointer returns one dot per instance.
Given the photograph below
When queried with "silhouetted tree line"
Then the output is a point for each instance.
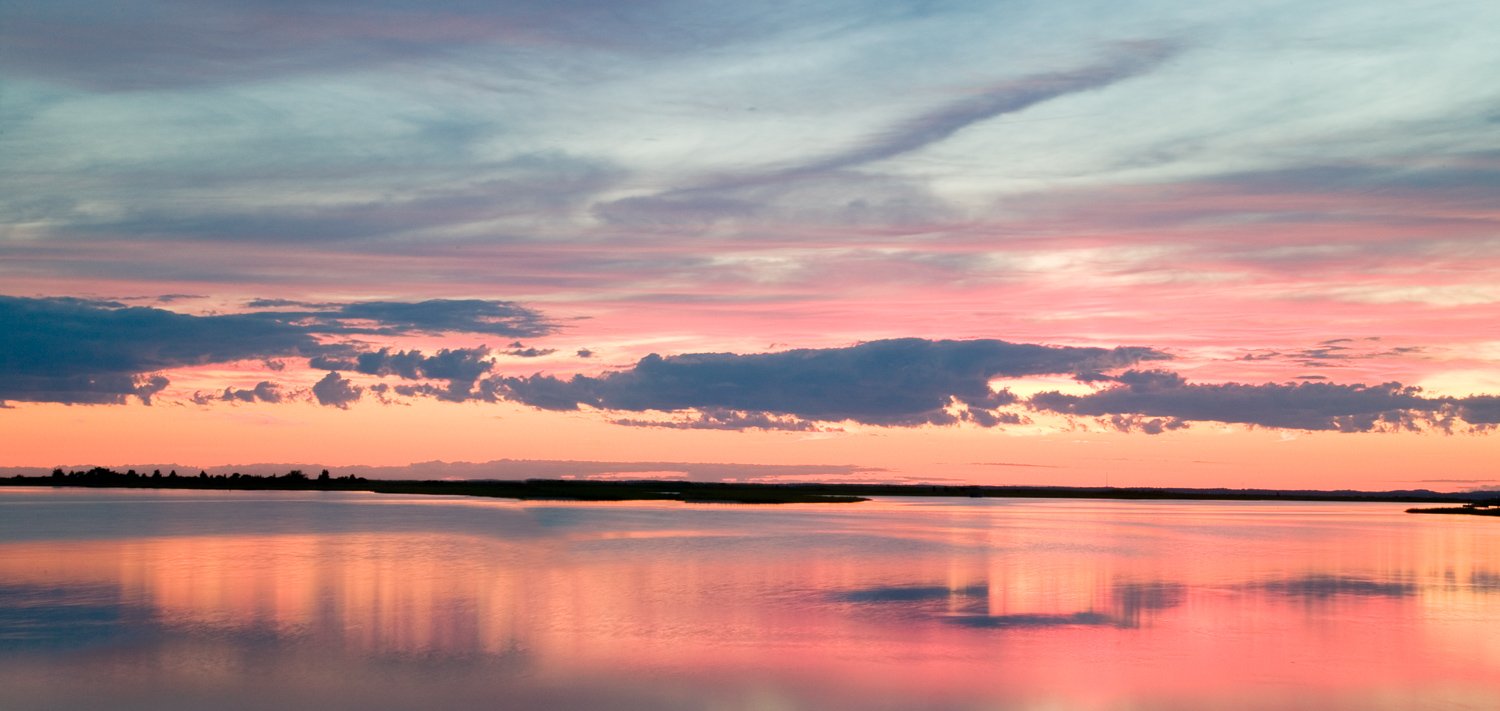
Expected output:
(717, 492)
(104, 477)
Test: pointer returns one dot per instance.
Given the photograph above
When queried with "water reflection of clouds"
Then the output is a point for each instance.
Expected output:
(970, 606)
(910, 593)
(1033, 621)
(1126, 606)
(1320, 587)
(63, 617)
(1485, 580)
(1135, 598)
(1149, 595)
(163, 512)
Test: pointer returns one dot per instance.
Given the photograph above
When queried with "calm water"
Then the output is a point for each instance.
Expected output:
(197, 600)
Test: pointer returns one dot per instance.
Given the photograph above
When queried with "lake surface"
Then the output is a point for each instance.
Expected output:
(170, 600)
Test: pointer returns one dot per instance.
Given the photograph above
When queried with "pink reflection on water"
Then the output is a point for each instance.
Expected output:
(1088, 605)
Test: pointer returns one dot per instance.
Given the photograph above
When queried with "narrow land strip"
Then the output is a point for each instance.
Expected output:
(1478, 503)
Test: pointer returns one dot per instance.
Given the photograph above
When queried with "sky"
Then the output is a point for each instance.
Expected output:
(1081, 243)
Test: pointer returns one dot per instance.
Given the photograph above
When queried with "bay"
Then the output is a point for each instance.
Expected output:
(277, 600)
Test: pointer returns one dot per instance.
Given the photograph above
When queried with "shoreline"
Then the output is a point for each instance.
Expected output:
(727, 492)
(1487, 509)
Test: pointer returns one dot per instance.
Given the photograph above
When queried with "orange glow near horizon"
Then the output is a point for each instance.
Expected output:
(1202, 456)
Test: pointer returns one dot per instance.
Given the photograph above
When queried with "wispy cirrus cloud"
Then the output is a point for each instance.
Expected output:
(163, 45)
(749, 194)
(1009, 96)
(1335, 352)
(845, 171)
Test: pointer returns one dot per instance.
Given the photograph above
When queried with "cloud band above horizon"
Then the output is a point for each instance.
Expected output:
(78, 351)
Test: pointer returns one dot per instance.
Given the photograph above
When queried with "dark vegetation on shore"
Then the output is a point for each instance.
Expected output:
(1489, 507)
(1480, 503)
(545, 489)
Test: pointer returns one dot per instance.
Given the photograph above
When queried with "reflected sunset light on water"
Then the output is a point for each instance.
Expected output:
(890, 604)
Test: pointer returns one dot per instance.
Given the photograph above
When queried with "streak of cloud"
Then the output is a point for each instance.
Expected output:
(1007, 97)
(737, 195)
(1156, 401)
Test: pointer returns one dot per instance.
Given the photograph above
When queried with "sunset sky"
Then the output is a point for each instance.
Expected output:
(1134, 243)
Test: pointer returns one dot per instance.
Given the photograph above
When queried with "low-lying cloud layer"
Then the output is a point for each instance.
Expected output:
(912, 382)
(900, 382)
(394, 318)
(459, 366)
(1156, 400)
(264, 391)
(82, 351)
(102, 352)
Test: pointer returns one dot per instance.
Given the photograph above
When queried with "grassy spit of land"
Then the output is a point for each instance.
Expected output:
(723, 492)
(1478, 508)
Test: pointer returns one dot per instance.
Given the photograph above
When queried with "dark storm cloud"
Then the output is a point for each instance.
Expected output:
(1155, 401)
(72, 350)
(902, 382)
(335, 390)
